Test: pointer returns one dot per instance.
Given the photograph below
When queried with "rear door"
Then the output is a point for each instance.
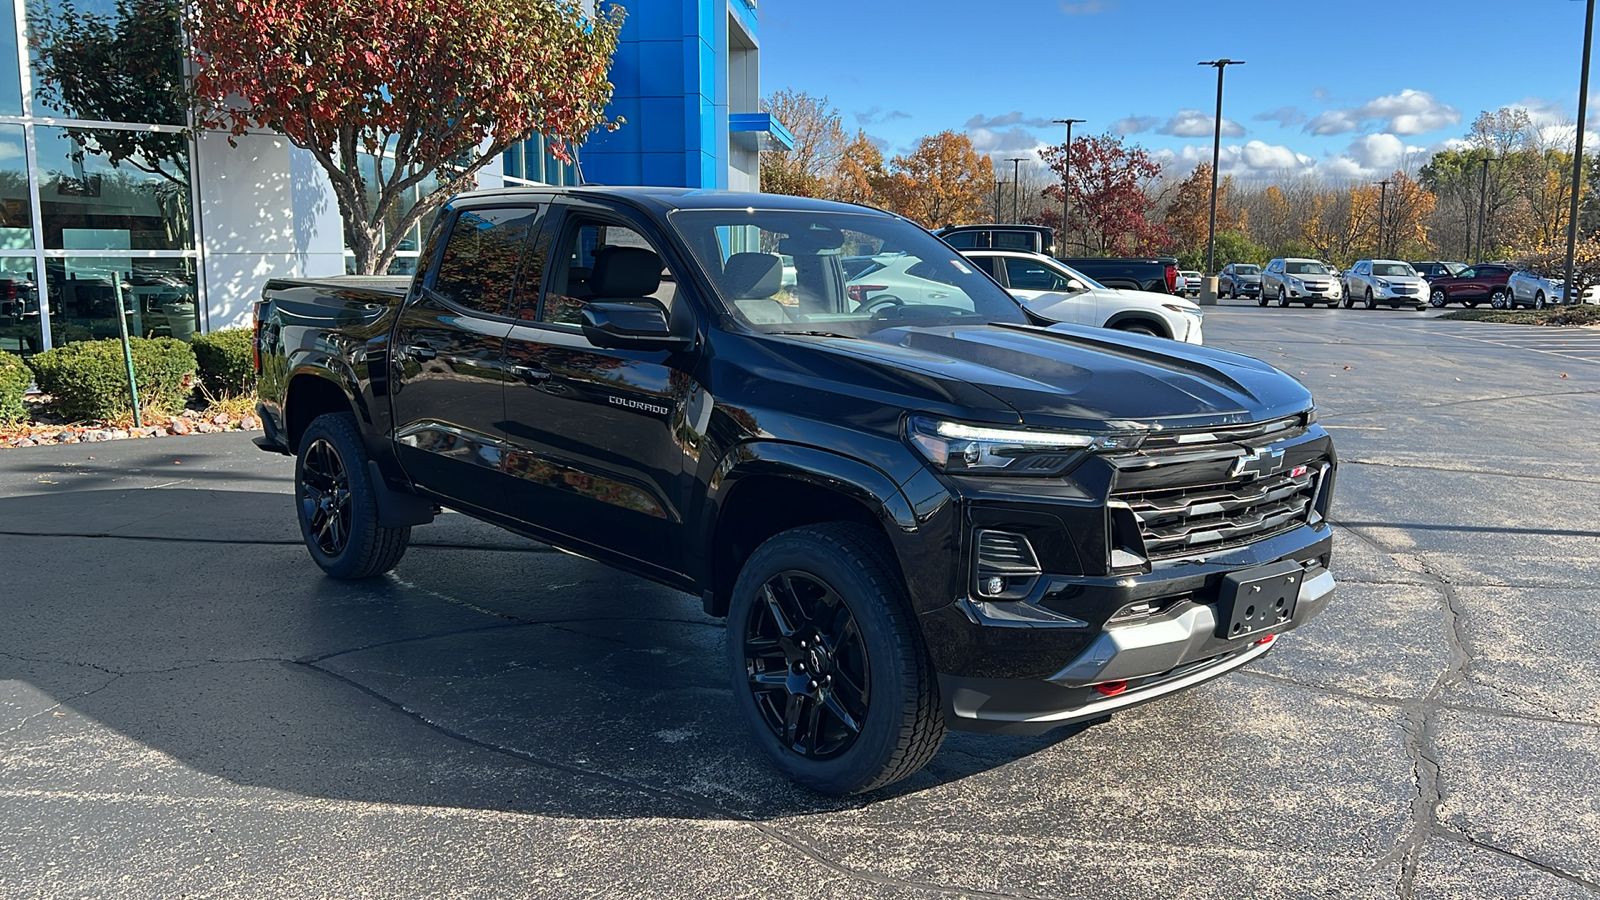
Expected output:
(595, 435)
(448, 353)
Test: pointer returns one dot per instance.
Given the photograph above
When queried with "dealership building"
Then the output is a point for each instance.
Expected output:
(105, 185)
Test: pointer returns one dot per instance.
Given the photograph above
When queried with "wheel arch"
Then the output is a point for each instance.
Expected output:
(774, 487)
(1125, 318)
(313, 391)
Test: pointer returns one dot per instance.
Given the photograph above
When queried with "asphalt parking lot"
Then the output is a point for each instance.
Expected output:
(187, 708)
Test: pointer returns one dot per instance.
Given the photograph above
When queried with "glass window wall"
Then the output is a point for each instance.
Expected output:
(159, 297)
(19, 307)
(107, 60)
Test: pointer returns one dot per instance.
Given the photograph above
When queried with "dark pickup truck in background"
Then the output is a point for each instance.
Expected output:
(1158, 274)
(914, 514)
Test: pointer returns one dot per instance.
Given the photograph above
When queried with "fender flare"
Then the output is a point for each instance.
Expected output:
(1139, 315)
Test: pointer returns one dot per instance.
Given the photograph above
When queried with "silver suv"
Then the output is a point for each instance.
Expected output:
(1389, 281)
(1295, 280)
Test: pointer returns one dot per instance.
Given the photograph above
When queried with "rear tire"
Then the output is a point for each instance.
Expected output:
(1499, 299)
(827, 663)
(337, 504)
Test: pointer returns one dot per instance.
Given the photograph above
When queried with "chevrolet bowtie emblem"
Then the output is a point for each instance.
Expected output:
(1258, 463)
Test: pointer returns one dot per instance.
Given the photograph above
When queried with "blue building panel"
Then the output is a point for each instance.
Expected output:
(671, 83)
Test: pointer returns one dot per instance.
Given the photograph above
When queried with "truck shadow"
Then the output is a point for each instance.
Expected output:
(513, 679)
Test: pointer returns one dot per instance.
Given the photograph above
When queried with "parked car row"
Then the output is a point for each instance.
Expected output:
(1051, 289)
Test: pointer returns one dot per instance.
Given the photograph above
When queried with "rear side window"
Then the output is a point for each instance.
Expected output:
(483, 258)
(1016, 240)
(965, 240)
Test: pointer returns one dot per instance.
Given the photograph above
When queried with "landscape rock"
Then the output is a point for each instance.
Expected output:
(180, 426)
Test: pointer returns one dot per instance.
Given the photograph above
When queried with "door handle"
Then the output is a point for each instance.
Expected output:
(530, 374)
(421, 352)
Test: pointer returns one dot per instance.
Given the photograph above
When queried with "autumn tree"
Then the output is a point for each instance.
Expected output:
(860, 175)
(943, 181)
(421, 89)
(1343, 224)
(1109, 205)
(1188, 217)
(819, 145)
(1404, 214)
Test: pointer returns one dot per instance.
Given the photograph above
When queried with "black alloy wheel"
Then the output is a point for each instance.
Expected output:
(325, 498)
(337, 503)
(827, 662)
(808, 666)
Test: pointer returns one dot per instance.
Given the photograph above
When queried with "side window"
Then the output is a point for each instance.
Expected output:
(1016, 240)
(1031, 276)
(479, 267)
(605, 262)
(962, 240)
(1469, 273)
(987, 264)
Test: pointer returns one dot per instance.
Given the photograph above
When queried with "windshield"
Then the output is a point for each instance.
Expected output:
(1247, 270)
(1393, 269)
(1305, 268)
(1454, 268)
(1088, 282)
(854, 273)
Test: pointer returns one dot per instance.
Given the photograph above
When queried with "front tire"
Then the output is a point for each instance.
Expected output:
(337, 504)
(1370, 303)
(1283, 297)
(1438, 299)
(827, 664)
(1538, 300)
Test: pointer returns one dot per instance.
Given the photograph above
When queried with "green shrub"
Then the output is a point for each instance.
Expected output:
(88, 380)
(15, 376)
(227, 365)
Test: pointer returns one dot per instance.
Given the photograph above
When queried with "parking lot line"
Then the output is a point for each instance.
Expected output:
(1583, 346)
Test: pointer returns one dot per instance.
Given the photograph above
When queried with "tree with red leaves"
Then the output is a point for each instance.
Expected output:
(426, 88)
(1110, 208)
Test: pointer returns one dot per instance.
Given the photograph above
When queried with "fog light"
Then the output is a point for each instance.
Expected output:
(994, 586)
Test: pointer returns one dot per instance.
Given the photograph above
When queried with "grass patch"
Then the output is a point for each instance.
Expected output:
(1555, 315)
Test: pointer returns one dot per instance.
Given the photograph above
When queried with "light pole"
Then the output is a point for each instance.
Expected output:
(1382, 199)
(1066, 180)
(1483, 193)
(1216, 154)
(1016, 184)
(997, 186)
(1577, 157)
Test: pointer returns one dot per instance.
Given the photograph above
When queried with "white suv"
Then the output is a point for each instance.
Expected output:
(1389, 281)
(1053, 290)
(1294, 280)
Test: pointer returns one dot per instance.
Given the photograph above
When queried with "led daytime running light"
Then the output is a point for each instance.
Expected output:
(959, 432)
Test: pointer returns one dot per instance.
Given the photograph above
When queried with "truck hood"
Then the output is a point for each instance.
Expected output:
(1085, 378)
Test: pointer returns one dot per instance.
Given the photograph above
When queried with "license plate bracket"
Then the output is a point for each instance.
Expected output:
(1257, 599)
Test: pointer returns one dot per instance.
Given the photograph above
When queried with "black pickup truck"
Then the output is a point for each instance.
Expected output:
(1157, 274)
(914, 514)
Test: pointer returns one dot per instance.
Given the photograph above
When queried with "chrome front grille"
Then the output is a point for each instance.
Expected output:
(1186, 520)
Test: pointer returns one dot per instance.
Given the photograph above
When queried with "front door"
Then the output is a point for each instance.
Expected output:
(596, 436)
(448, 355)
(1047, 292)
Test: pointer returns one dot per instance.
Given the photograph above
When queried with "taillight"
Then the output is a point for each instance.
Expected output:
(1172, 279)
(858, 292)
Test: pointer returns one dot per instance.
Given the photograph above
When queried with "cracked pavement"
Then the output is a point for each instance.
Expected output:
(188, 708)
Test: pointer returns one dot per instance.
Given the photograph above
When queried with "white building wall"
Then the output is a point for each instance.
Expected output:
(266, 211)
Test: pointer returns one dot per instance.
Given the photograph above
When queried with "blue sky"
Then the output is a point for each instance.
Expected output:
(1343, 89)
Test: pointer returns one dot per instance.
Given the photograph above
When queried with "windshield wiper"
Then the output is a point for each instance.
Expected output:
(815, 333)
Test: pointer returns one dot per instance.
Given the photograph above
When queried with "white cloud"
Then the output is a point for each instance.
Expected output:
(878, 115)
(1135, 124)
(1194, 123)
(1250, 161)
(1011, 142)
(1283, 115)
(1006, 120)
(1408, 112)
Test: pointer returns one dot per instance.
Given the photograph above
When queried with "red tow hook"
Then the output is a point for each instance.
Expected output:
(1266, 640)
(1111, 688)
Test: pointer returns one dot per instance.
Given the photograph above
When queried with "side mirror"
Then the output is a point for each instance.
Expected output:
(1074, 284)
(629, 326)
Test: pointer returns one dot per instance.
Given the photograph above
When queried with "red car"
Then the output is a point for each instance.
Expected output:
(1483, 283)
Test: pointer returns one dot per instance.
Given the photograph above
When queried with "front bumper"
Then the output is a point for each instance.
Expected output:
(1124, 666)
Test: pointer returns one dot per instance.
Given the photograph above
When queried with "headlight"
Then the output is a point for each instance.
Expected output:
(1295, 281)
(1383, 285)
(1188, 311)
(960, 448)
